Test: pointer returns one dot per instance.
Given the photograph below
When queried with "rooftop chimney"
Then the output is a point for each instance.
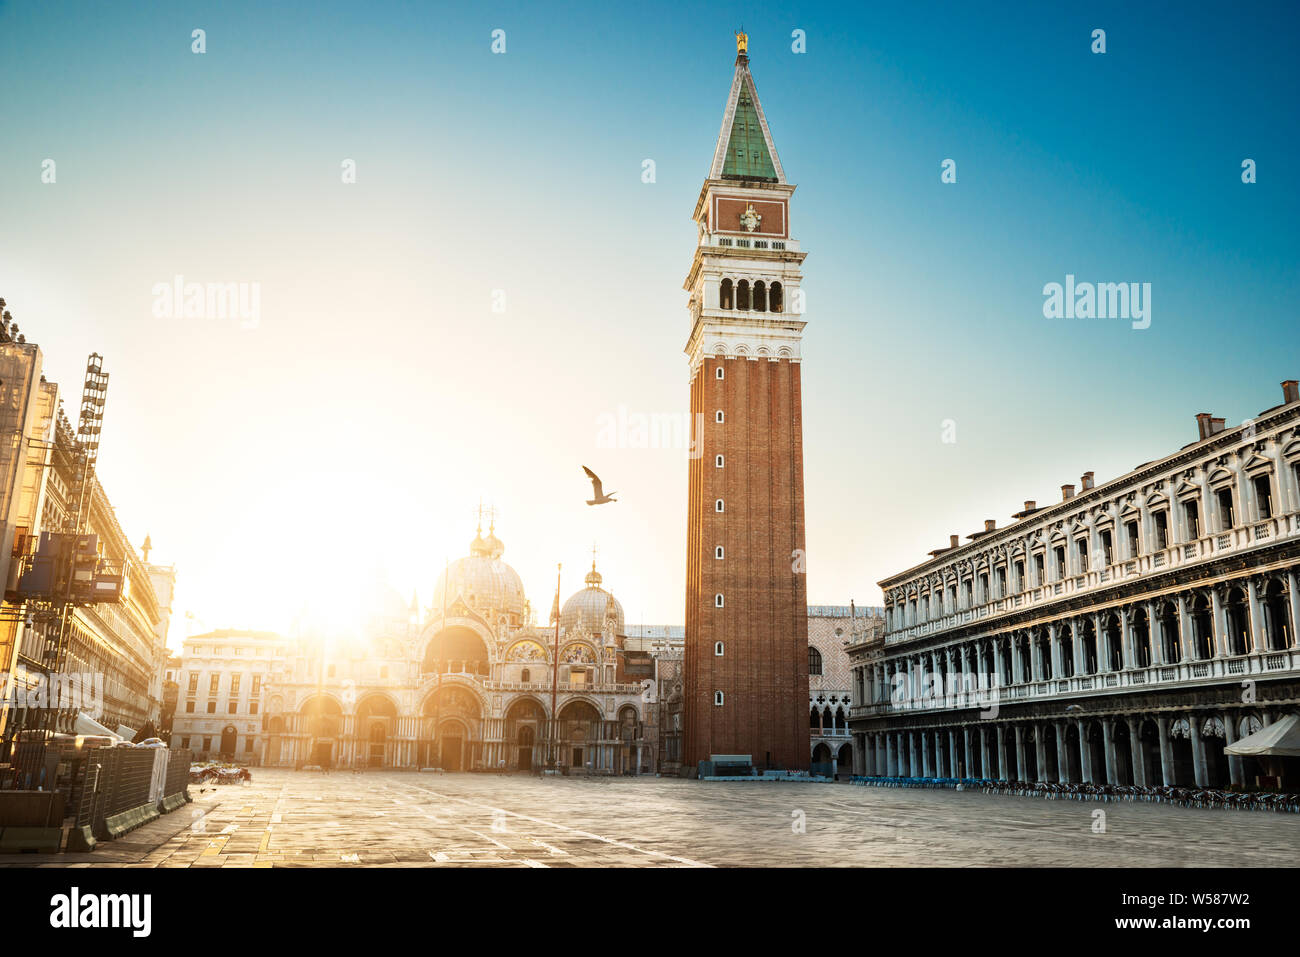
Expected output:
(1030, 506)
(1067, 492)
(1086, 481)
(953, 540)
(1216, 426)
(1203, 425)
(990, 524)
(1290, 391)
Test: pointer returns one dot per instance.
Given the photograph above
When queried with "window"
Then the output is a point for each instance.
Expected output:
(248, 744)
(214, 684)
(718, 506)
(1192, 514)
(1020, 574)
(774, 303)
(717, 461)
(257, 686)
(720, 373)
(212, 707)
(967, 592)
(717, 648)
(1002, 582)
(194, 684)
(984, 586)
(814, 661)
(1224, 497)
(1083, 554)
(717, 698)
(1060, 562)
(185, 741)
(1039, 574)
(726, 298)
(207, 743)
(718, 552)
(234, 684)
(232, 708)
(717, 600)
(189, 707)
(1108, 547)
(719, 417)
(1263, 496)
(252, 707)
(760, 297)
(742, 295)
(1160, 521)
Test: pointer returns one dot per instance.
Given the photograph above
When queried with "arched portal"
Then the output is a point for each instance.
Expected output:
(320, 716)
(525, 732)
(579, 734)
(450, 729)
(376, 724)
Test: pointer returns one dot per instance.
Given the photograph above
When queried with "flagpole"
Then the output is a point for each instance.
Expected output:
(555, 665)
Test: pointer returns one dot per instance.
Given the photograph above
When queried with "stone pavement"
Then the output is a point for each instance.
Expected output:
(404, 819)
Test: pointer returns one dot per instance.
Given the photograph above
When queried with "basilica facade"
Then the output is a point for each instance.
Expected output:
(470, 683)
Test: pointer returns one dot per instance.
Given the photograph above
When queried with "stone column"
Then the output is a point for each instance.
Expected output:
(1040, 753)
(1293, 588)
(1236, 770)
(891, 757)
(970, 766)
(1220, 631)
(1135, 747)
(1198, 751)
(1166, 752)
(1080, 657)
(1085, 752)
(1062, 756)
(914, 761)
(1020, 752)
(985, 771)
(1254, 640)
(1185, 637)
(1155, 636)
(1054, 647)
(1002, 753)
(1103, 644)
(1108, 743)
(1016, 668)
(953, 763)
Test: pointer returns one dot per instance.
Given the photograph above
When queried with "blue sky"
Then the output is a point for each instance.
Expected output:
(379, 396)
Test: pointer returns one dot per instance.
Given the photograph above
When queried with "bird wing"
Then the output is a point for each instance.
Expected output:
(595, 481)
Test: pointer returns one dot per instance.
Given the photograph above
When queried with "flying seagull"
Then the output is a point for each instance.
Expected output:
(600, 497)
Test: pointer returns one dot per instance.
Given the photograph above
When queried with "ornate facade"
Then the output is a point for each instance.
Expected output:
(469, 685)
(1125, 635)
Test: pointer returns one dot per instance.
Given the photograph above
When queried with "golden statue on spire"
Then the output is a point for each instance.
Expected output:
(742, 42)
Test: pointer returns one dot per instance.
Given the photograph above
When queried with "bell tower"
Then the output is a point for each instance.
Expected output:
(746, 595)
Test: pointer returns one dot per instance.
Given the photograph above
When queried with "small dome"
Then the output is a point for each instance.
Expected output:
(587, 610)
(483, 580)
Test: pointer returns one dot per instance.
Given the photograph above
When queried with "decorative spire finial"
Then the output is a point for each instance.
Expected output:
(742, 42)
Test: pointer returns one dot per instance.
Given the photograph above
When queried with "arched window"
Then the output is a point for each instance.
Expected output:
(717, 648)
(718, 552)
(717, 698)
(760, 297)
(814, 661)
(718, 461)
(720, 417)
(718, 506)
(717, 600)
(719, 373)
(524, 676)
(726, 295)
(774, 300)
(742, 295)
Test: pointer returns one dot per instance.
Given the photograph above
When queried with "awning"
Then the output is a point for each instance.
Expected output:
(125, 733)
(88, 725)
(1281, 738)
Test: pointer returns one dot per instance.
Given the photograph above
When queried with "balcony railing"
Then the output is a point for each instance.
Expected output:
(1162, 676)
(1176, 555)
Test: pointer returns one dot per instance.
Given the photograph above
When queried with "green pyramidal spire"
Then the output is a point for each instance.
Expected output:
(747, 155)
(745, 150)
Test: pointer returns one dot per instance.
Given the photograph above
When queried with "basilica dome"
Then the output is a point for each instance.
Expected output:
(587, 610)
(485, 583)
